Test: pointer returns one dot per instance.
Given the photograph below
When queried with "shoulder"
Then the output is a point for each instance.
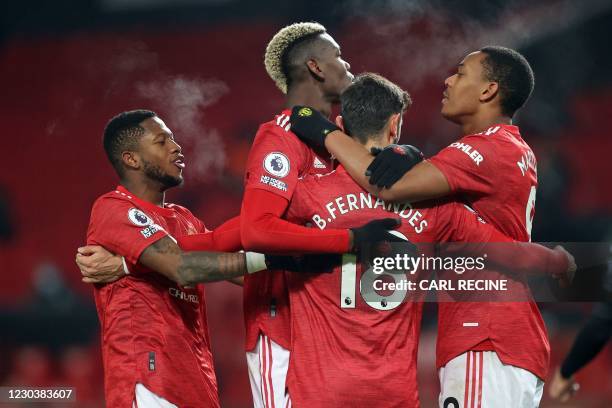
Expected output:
(278, 128)
(188, 216)
(111, 200)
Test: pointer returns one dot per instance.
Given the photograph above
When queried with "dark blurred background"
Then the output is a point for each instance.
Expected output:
(67, 66)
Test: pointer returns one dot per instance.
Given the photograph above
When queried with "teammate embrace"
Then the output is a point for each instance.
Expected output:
(311, 339)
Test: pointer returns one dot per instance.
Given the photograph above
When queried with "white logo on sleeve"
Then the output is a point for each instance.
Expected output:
(277, 164)
(139, 218)
(318, 164)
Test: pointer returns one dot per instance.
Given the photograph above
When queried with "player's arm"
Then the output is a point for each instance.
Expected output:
(475, 238)
(591, 339)
(275, 161)
(98, 265)
(396, 174)
(189, 268)
(263, 229)
(224, 238)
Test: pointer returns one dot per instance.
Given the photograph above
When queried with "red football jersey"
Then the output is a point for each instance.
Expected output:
(276, 160)
(495, 171)
(154, 332)
(346, 351)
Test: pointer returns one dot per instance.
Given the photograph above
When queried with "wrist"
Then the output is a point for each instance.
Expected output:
(124, 266)
(255, 262)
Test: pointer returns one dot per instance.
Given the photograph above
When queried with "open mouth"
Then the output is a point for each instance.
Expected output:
(179, 163)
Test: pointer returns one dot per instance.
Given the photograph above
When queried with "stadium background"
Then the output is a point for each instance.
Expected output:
(67, 66)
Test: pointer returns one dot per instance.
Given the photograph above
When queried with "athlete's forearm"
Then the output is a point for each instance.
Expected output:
(526, 258)
(423, 182)
(188, 268)
(589, 342)
(198, 267)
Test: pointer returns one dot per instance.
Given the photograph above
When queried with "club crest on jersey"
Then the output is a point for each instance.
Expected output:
(276, 164)
(139, 218)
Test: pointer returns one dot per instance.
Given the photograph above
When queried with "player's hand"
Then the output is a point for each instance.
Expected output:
(562, 389)
(375, 232)
(97, 265)
(311, 263)
(311, 126)
(391, 163)
(566, 277)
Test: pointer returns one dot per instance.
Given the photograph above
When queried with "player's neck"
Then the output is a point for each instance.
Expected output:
(482, 121)
(146, 191)
(308, 95)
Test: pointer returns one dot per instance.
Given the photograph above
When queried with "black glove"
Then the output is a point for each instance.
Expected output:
(311, 263)
(391, 163)
(310, 125)
(375, 232)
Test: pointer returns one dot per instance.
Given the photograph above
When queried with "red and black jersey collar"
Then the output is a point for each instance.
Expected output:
(145, 205)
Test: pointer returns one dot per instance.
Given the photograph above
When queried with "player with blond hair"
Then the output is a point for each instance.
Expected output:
(305, 63)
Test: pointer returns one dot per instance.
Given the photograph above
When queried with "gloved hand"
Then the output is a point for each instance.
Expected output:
(374, 233)
(310, 263)
(391, 163)
(311, 126)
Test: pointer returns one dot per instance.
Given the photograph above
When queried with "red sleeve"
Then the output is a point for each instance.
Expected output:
(224, 238)
(468, 165)
(276, 160)
(110, 226)
(263, 230)
(470, 234)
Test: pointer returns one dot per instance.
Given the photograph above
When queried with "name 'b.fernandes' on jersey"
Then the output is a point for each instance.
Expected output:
(495, 172)
(154, 332)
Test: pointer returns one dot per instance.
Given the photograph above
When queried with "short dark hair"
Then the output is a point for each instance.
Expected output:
(122, 133)
(512, 72)
(297, 54)
(368, 103)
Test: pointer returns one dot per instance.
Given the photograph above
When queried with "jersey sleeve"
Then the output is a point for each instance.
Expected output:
(468, 164)
(122, 228)
(224, 238)
(275, 161)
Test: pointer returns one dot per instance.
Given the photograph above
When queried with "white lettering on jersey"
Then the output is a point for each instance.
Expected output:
(527, 161)
(179, 294)
(470, 151)
(351, 202)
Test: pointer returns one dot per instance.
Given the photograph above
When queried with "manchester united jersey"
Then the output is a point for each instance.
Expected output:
(349, 349)
(276, 160)
(154, 332)
(495, 171)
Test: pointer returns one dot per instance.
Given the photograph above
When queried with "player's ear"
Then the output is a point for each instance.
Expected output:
(394, 124)
(130, 159)
(489, 92)
(340, 122)
(315, 69)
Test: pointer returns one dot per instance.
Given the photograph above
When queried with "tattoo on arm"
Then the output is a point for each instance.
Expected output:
(188, 268)
(198, 267)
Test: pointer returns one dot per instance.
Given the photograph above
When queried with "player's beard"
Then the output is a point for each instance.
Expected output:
(155, 173)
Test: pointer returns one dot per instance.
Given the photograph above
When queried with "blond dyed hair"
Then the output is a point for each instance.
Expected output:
(280, 43)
